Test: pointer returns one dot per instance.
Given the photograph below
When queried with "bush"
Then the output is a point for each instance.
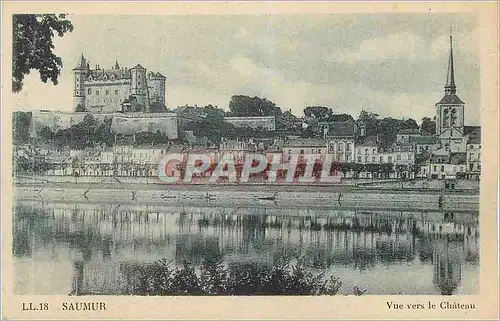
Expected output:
(238, 279)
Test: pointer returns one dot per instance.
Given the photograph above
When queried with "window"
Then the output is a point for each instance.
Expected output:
(139, 83)
(373, 159)
(374, 151)
(389, 160)
(341, 146)
(366, 150)
(366, 159)
(453, 117)
(381, 159)
(319, 151)
(107, 92)
(312, 150)
(301, 151)
(89, 91)
(442, 168)
(97, 92)
(359, 159)
(289, 151)
(426, 147)
(435, 168)
(116, 92)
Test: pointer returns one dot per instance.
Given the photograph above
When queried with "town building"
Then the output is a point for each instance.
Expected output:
(366, 150)
(341, 138)
(424, 144)
(444, 167)
(118, 89)
(301, 146)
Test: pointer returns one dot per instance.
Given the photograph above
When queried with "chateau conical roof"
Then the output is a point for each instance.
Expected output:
(82, 63)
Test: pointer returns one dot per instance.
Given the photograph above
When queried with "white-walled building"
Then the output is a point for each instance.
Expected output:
(341, 138)
(366, 150)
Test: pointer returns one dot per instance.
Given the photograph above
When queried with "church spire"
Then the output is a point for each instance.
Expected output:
(450, 87)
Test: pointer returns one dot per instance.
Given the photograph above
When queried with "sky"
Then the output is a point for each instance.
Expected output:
(390, 64)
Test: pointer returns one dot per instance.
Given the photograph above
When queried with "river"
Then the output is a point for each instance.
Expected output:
(58, 245)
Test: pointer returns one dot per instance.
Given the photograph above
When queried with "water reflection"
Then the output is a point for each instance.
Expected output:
(96, 249)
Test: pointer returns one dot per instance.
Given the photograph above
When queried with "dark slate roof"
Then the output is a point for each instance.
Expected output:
(453, 158)
(341, 129)
(409, 131)
(424, 140)
(451, 100)
(458, 158)
(138, 66)
(439, 159)
(474, 133)
(367, 141)
(110, 73)
(472, 129)
(305, 142)
(124, 140)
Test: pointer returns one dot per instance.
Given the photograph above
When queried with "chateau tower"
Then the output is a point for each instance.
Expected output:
(80, 73)
(139, 86)
(450, 109)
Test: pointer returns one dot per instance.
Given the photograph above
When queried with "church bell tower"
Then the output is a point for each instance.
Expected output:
(450, 109)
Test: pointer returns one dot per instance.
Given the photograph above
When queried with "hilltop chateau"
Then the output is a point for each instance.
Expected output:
(118, 89)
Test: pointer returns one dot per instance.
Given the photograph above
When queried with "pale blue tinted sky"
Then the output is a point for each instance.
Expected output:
(391, 64)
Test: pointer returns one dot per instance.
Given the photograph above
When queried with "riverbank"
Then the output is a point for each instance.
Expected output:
(324, 196)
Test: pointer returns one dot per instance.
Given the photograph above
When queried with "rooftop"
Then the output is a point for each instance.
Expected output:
(304, 142)
(451, 100)
(341, 129)
(423, 140)
(409, 131)
(367, 141)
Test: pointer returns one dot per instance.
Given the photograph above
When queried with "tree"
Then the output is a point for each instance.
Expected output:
(32, 45)
(400, 169)
(386, 169)
(20, 126)
(409, 124)
(369, 121)
(318, 112)
(428, 125)
(356, 168)
(46, 134)
(241, 105)
(345, 168)
(341, 117)
(372, 169)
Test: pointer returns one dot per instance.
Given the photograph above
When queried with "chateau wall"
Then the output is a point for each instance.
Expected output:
(267, 122)
(137, 122)
(122, 123)
(106, 96)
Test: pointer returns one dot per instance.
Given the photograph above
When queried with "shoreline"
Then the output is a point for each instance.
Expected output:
(225, 195)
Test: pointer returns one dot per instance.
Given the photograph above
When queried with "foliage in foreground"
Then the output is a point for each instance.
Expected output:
(213, 278)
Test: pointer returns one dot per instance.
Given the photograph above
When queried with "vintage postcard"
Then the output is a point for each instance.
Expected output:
(241, 160)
